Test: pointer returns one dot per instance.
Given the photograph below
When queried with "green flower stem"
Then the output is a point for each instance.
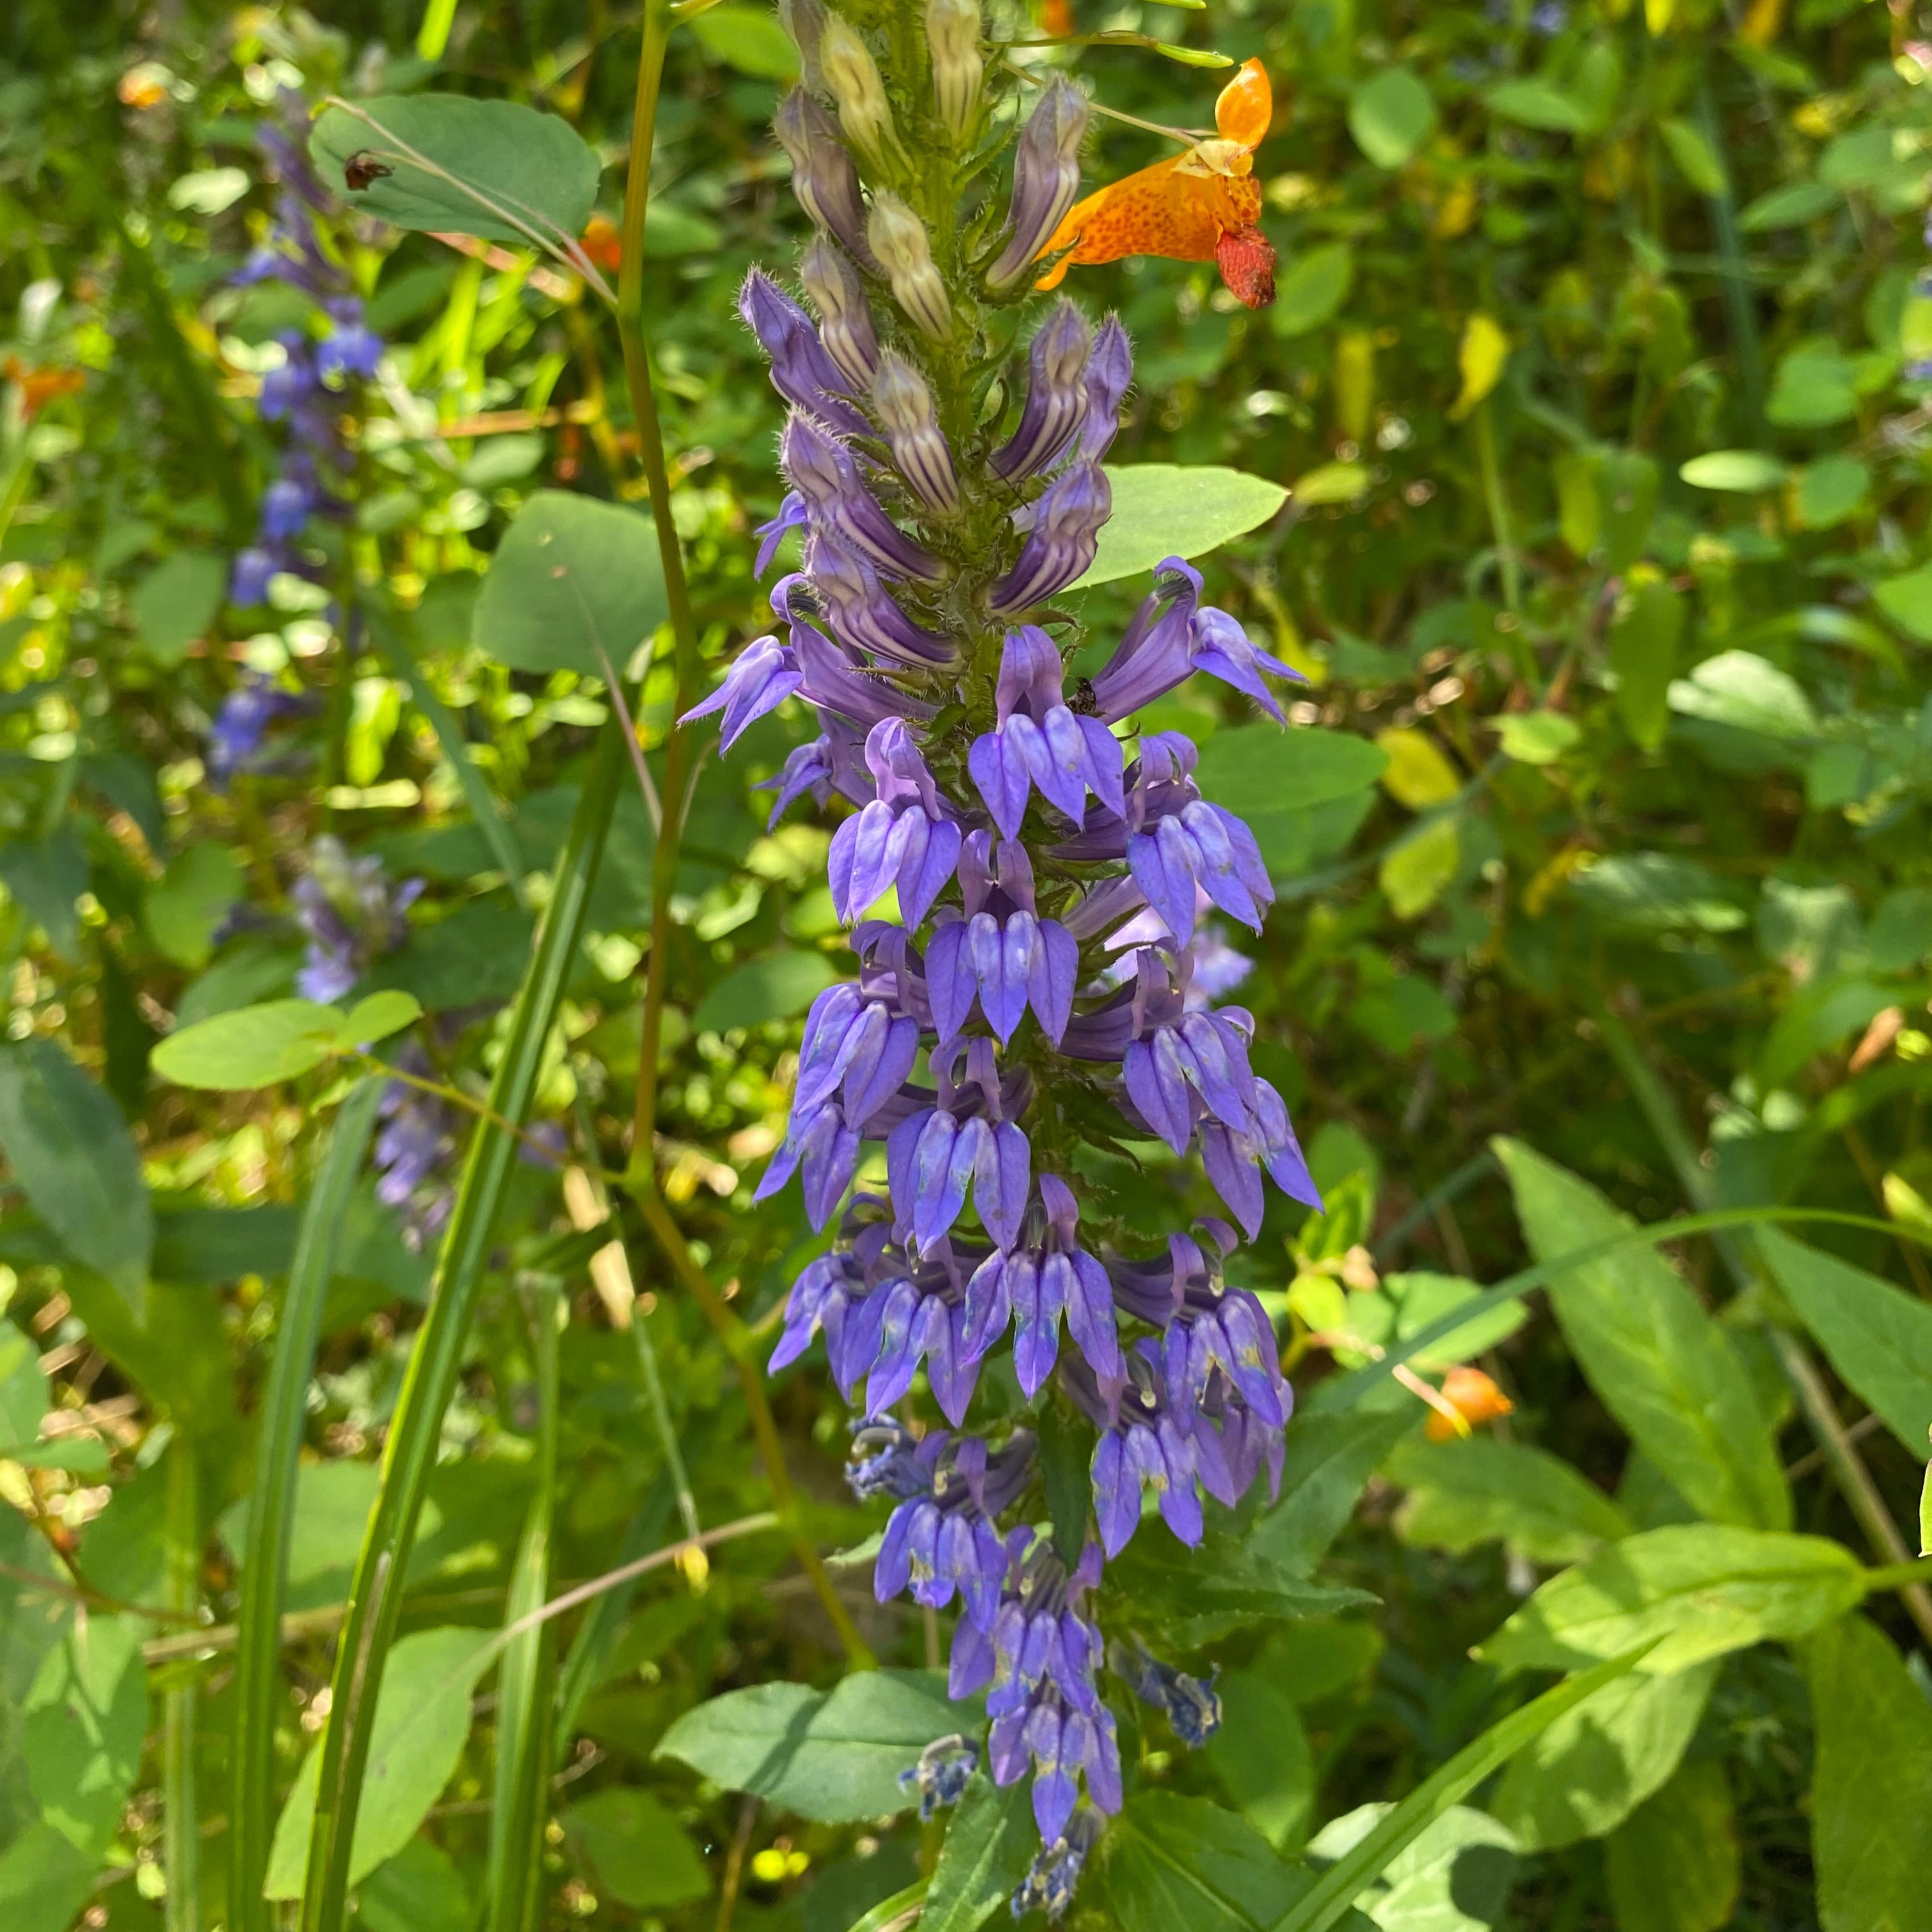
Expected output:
(181, 1850)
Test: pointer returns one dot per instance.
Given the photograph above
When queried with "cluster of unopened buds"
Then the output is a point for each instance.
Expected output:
(1053, 872)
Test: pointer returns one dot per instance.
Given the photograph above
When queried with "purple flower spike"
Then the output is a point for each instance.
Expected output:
(1061, 543)
(1056, 403)
(1046, 179)
(802, 372)
(762, 676)
(822, 176)
(1041, 742)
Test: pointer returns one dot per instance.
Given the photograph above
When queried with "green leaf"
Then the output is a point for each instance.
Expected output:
(834, 1758)
(1481, 1490)
(1537, 737)
(1814, 387)
(1454, 1877)
(419, 1890)
(1422, 1298)
(1871, 1791)
(1790, 206)
(1415, 873)
(1330, 1459)
(1673, 1865)
(1594, 1765)
(1390, 116)
(422, 1718)
(1907, 601)
(1697, 1590)
(1312, 288)
(1655, 892)
(375, 1017)
(637, 1852)
(1878, 1336)
(1669, 1374)
(83, 1722)
(1746, 471)
(1330, 483)
(989, 1844)
(1168, 1861)
(1066, 1445)
(489, 168)
(1165, 509)
(73, 1158)
(1403, 1824)
(1535, 103)
(256, 1046)
(185, 906)
(1696, 160)
(1832, 491)
(572, 575)
(175, 603)
(1817, 1019)
(748, 38)
(45, 1880)
(779, 986)
(44, 877)
(1260, 771)
(1644, 636)
(1629, 482)
(23, 1391)
(1261, 1755)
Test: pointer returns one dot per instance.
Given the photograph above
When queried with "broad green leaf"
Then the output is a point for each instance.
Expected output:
(1312, 287)
(1168, 1861)
(1203, 1592)
(73, 1158)
(1655, 892)
(184, 906)
(489, 168)
(748, 38)
(1260, 771)
(1390, 116)
(1399, 1827)
(573, 576)
(255, 1046)
(1819, 1019)
(1644, 635)
(1579, 509)
(1871, 1790)
(422, 1717)
(1746, 471)
(1422, 1297)
(1673, 1865)
(1329, 1461)
(45, 1880)
(779, 986)
(1790, 205)
(1814, 387)
(23, 1391)
(1261, 1755)
(1594, 1765)
(1537, 737)
(1535, 103)
(419, 1890)
(1907, 601)
(1416, 873)
(990, 1842)
(1696, 160)
(44, 877)
(637, 1852)
(174, 602)
(1419, 773)
(1454, 1877)
(1480, 1490)
(1830, 491)
(83, 1723)
(1664, 1368)
(375, 1017)
(1164, 509)
(332, 1506)
(834, 1757)
(1696, 1590)
(1629, 481)
(1878, 1337)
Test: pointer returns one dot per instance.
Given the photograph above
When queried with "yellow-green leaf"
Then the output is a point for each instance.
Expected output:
(1419, 773)
(1480, 358)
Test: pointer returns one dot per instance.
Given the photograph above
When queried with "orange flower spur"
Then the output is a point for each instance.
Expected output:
(1203, 205)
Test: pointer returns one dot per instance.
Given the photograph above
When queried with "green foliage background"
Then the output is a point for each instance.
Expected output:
(1600, 842)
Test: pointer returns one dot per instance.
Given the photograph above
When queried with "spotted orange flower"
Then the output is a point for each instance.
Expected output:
(1203, 205)
(39, 387)
(1474, 1396)
(603, 243)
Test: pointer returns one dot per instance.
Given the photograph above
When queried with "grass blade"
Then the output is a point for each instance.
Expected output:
(180, 1823)
(376, 1597)
(1331, 1896)
(265, 1561)
(584, 1670)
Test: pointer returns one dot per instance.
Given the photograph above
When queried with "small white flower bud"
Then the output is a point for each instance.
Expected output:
(899, 239)
(852, 75)
(952, 35)
(845, 320)
(903, 406)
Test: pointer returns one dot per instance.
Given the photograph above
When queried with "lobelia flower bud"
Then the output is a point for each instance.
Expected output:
(903, 406)
(952, 34)
(1046, 179)
(844, 316)
(899, 239)
(804, 20)
(1060, 544)
(823, 177)
(1056, 394)
(852, 75)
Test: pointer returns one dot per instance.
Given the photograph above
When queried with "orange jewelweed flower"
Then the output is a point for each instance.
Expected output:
(1474, 1396)
(1203, 205)
(40, 387)
(603, 243)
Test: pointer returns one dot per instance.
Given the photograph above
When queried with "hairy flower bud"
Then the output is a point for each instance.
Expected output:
(852, 75)
(844, 316)
(903, 406)
(822, 176)
(804, 20)
(1057, 393)
(952, 35)
(1046, 179)
(899, 239)
(1061, 544)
